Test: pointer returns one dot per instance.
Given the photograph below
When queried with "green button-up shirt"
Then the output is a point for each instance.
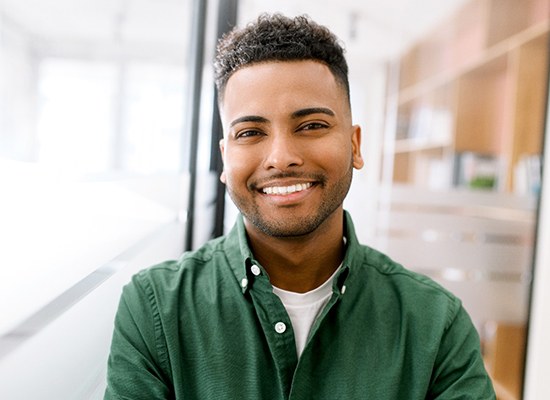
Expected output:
(207, 327)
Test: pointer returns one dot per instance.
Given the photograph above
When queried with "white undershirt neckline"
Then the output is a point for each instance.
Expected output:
(304, 308)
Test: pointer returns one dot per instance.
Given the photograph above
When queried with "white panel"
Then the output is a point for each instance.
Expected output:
(67, 359)
(538, 345)
(476, 244)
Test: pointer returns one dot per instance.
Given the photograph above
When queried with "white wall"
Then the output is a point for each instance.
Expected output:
(368, 99)
(537, 386)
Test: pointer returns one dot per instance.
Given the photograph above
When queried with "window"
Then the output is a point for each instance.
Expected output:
(91, 132)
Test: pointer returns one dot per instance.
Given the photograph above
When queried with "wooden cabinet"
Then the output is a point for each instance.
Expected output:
(477, 86)
(504, 350)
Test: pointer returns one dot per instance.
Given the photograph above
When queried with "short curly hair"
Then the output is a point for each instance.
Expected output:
(275, 37)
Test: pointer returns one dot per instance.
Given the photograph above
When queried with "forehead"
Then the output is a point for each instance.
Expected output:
(283, 86)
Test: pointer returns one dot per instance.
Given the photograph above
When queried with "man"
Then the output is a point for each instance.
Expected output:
(289, 305)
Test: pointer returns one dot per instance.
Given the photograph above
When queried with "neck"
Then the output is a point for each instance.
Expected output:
(300, 264)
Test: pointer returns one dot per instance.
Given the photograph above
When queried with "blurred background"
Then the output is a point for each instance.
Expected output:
(109, 163)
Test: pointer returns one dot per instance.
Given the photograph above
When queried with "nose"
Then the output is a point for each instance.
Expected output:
(283, 152)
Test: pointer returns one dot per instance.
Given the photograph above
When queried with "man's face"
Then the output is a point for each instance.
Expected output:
(289, 148)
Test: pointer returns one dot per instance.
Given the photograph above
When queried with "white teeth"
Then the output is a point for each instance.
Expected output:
(282, 190)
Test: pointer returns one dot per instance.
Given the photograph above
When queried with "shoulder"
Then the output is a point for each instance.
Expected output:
(170, 276)
(381, 264)
(374, 270)
(390, 281)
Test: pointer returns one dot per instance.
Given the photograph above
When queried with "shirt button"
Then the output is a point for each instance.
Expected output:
(280, 327)
(244, 283)
(255, 270)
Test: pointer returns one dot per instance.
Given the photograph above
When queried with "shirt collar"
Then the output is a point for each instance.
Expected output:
(241, 259)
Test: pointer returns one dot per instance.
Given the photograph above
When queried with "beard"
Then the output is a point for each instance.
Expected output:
(295, 225)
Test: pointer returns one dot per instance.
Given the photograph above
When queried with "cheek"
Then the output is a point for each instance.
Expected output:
(336, 156)
(237, 167)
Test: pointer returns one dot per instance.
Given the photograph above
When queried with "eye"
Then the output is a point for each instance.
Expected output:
(248, 134)
(313, 126)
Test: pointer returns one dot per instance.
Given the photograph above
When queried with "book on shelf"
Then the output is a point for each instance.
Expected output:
(528, 174)
(479, 171)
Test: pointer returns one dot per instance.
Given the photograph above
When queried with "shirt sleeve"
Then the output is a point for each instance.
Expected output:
(459, 371)
(135, 368)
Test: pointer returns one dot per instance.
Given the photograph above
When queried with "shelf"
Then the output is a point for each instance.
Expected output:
(420, 144)
(433, 82)
(475, 85)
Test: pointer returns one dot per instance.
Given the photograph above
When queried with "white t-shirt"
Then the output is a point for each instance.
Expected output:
(303, 309)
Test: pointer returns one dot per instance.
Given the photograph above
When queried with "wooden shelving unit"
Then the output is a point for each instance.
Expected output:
(473, 92)
(476, 84)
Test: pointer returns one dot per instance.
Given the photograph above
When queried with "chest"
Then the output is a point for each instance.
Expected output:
(245, 348)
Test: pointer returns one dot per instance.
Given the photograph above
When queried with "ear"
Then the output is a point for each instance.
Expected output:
(222, 151)
(356, 147)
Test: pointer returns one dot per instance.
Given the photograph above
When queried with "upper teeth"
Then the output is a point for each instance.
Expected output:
(286, 189)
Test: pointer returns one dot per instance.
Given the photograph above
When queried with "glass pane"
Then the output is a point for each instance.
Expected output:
(463, 167)
(91, 130)
(452, 172)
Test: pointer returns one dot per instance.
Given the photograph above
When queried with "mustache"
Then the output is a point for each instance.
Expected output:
(312, 177)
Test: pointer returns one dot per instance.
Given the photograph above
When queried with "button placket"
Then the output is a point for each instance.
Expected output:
(276, 325)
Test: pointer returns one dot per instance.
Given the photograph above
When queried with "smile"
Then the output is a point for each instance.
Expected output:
(285, 190)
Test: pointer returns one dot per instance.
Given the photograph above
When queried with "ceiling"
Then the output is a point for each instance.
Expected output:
(372, 30)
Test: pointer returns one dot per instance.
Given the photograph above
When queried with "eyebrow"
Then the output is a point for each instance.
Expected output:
(249, 118)
(313, 110)
(296, 114)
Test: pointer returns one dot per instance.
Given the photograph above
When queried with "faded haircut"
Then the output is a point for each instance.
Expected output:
(274, 37)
